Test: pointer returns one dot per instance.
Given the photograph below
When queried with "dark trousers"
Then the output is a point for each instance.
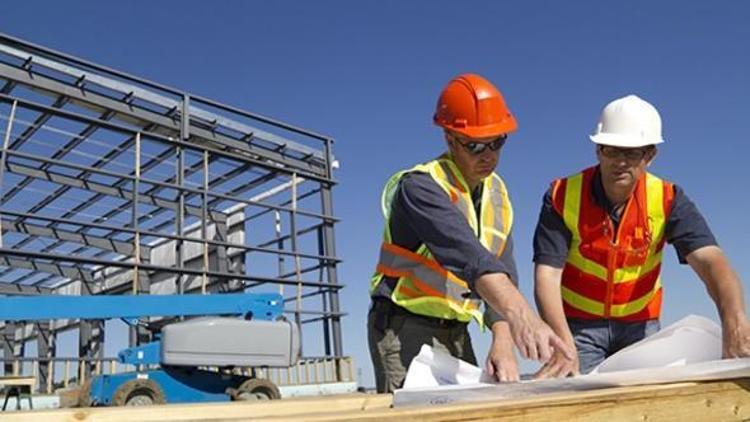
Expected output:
(396, 335)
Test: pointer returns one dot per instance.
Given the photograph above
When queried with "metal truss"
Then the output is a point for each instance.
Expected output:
(112, 184)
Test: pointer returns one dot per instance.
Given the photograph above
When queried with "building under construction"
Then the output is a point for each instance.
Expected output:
(115, 185)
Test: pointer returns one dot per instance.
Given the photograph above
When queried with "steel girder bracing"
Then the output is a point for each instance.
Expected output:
(112, 184)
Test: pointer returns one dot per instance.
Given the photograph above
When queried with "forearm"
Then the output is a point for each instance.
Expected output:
(721, 281)
(498, 292)
(548, 298)
(501, 335)
(534, 339)
(728, 296)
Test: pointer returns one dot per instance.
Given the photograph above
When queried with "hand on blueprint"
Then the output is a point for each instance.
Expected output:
(559, 366)
(534, 339)
(501, 361)
(736, 338)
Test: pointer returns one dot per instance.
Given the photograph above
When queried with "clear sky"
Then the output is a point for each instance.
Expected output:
(369, 73)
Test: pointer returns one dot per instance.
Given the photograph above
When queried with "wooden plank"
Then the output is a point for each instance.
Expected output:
(30, 381)
(210, 411)
(725, 400)
(710, 401)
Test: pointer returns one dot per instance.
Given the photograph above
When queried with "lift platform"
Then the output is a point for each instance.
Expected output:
(234, 330)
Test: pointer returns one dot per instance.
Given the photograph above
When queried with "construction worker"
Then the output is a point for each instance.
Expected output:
(447, 242)
(599, 242)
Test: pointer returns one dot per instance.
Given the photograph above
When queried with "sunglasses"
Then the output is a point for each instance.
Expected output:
(630, 154)
(476, 148)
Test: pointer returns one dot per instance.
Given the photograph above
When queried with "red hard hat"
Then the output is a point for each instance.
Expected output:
(472, 106)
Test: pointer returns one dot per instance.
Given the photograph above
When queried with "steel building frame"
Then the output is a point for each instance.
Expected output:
(112, 184)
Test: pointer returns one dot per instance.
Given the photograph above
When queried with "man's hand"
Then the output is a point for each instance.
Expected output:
(501, 361)
(559, 366)
(549, 301)
(736, 338)
(534, 339)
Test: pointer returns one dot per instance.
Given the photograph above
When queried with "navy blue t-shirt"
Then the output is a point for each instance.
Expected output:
(686, 228)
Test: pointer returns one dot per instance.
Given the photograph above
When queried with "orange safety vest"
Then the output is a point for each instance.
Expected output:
(424, 286)
(611, 275)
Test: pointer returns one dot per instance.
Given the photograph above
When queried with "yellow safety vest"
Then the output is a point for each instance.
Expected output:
(424, 286)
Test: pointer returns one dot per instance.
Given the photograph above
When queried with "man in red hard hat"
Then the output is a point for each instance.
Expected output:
(599, 244)
(447, 245)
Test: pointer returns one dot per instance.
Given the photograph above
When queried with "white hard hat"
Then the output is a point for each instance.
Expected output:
(628, 122)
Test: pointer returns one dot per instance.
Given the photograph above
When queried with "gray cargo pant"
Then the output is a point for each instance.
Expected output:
(396, 335)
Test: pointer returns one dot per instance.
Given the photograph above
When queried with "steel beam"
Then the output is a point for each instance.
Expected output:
(69, 146)
(9, 346)
(46, 348)
(140, 117)
(11, 289)
(5, 253)
(102, 189)
(73, 271)
(329, 246)
(98, 242)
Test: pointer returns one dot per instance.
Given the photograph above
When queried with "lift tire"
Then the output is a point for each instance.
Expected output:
(141, 392)
(257, 389)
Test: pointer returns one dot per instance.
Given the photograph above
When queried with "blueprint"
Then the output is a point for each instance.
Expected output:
(688, 350)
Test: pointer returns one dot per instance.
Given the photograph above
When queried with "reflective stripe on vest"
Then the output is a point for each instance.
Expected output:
(606, 279)
(424, 286)
(427, 277)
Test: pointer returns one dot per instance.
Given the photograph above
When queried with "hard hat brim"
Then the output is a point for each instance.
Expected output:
(623, 141)
(485, 131)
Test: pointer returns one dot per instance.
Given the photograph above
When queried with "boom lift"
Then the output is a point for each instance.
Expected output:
(233, 330)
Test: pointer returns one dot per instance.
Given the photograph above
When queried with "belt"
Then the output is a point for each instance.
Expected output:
(386, 306)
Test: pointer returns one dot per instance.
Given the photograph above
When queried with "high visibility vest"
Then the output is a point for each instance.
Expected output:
(424, 286)
(610, 275)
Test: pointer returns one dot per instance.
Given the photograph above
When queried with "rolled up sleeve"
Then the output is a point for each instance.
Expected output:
(686, 228)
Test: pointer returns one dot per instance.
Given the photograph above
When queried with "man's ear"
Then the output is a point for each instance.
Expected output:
(449, 141)
(651, 155)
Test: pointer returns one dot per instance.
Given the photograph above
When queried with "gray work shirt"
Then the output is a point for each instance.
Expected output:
(686, 228)
(421, 212)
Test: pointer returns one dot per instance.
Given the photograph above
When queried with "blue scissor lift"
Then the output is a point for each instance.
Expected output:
(235, 330)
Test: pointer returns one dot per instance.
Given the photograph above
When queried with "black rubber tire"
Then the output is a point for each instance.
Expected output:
(138, 393)
(258, 389)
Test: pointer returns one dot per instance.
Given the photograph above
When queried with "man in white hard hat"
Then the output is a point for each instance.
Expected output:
(599, 242)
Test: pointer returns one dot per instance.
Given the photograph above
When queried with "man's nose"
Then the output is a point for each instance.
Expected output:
(621, 161)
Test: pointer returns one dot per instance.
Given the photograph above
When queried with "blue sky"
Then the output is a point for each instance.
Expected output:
(369, 73)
